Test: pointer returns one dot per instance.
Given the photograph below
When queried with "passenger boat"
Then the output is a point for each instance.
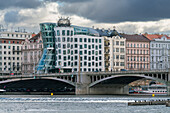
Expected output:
(2, 90)
(154, 89)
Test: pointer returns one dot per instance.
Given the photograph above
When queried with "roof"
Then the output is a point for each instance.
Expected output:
(35, 36)
(108, 33)
(135, 38)
(155, 36)
(85, 30)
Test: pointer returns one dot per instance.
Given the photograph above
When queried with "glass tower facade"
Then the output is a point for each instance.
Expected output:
(47, 61)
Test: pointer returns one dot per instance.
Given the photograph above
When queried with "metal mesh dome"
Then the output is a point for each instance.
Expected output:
(63, 22)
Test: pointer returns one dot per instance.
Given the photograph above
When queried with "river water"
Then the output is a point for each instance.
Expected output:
(77, 104)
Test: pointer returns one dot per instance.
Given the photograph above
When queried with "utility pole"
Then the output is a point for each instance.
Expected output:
(79, 81)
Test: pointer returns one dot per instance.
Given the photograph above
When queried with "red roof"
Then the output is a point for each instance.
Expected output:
(34, 35)
(155, 36)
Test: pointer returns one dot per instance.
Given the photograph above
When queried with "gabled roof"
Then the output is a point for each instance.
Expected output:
(35, 36)
(135, 38)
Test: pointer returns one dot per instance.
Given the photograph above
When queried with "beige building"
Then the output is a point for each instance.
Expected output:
(31, 53)
(115, 53)
(114, 50)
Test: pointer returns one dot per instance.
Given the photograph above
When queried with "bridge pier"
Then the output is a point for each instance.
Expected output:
(109, 89)
(82, 86)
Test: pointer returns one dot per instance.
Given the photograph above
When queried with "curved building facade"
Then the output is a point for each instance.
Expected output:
(78, 44)
(47, 61)
(70, 48)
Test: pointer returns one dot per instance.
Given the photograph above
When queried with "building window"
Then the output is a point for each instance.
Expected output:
(100, 52)
(122, 57)
(75, 51)
(122, 64)
(92, 40)
(63, 39)
(96, 47)
(117, 49)
(68, 32)
(117, 43)
(96, 40)
(89, 40)
(81, 46)
(75, 40)
(122, 43)
(64, 52)
(80, 40)
(100, 46)
(68, 39)
(117, 57)
(122, 50)
(71, 33)
(89, 47)
(63, 32)
(85, 40)
(100, 41)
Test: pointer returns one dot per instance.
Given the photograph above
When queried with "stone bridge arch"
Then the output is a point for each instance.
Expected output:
(128, 78)
(39, 84)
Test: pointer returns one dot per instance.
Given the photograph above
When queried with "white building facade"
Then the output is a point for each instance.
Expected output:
(78, 45)
(10, 52)
(159, 53)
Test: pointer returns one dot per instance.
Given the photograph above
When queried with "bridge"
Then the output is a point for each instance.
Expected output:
(88, 82)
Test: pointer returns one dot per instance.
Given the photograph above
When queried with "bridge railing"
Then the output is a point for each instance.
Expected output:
(85, 73)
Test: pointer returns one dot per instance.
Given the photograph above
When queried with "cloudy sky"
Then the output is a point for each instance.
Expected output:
(129, 16)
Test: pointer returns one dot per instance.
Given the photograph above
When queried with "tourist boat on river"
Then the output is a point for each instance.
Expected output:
(2, 90)
(154, 89)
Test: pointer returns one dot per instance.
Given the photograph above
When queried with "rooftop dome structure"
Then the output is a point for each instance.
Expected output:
(114, 33)
(64, 22)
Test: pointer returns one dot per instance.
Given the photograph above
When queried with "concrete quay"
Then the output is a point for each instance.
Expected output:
(151, 102)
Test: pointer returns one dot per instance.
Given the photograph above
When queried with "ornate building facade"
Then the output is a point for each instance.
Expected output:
(31, 53)
(159, 51)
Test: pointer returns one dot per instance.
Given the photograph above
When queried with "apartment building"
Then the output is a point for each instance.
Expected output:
(137, 52)
(159, 51)
(10, 51)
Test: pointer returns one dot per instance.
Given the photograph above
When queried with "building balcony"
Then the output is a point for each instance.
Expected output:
(107, 52)
(107, 65)
(106, 45)
(107, 58)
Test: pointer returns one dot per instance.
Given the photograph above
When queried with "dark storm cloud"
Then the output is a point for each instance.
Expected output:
(67, 1)
(118, 10)
(4, 4)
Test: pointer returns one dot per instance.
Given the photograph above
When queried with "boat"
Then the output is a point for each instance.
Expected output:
(154, 89)
(2, 90)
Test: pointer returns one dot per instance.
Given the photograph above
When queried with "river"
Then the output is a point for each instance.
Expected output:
(77, 104)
